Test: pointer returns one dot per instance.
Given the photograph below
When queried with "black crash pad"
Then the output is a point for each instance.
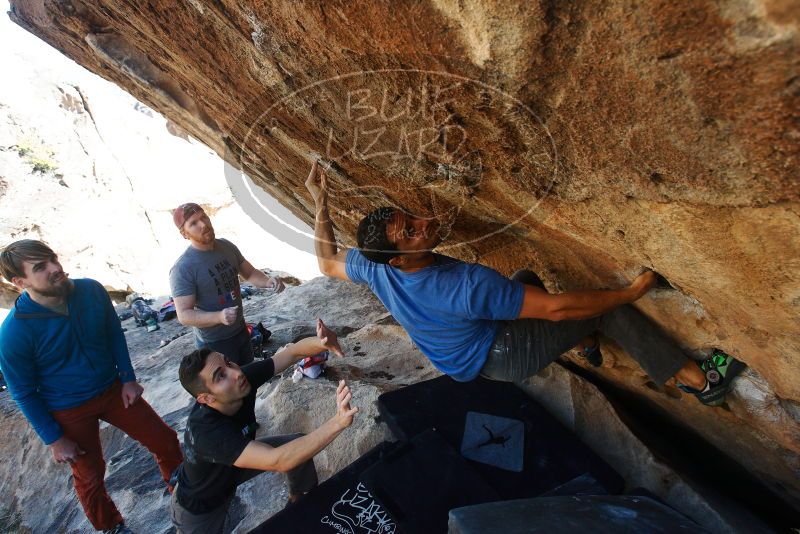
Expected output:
(341, 504)
(553, 455)
(401, 487)
(582, 485)
(421, 480)
(620, 514)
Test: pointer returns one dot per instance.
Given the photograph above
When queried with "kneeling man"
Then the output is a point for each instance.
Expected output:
(220, 446)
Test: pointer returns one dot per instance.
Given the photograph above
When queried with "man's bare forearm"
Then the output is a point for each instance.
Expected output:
(324, 239)
(288, 456)
(295, 352)
(584, 304)
(307, 346)
(199, 318)
(331, 261)
(304, 448)
(258, 278)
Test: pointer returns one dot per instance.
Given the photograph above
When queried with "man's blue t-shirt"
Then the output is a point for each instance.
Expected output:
(450, 309)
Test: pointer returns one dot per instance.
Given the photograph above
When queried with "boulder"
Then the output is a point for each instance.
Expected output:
(586, 141)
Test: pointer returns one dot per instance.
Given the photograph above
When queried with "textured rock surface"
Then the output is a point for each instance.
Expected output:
(587, 412)
(608, 137)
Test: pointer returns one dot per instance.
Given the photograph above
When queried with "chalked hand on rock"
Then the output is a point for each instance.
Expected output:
(344, 412)
(329, 338)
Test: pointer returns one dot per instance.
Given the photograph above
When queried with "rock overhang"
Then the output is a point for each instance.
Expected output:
(584, 141)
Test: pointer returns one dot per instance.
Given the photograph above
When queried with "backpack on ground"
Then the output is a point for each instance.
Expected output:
(144, 315)
(258, 338)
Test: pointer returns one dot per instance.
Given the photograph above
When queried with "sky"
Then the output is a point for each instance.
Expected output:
(25, 56)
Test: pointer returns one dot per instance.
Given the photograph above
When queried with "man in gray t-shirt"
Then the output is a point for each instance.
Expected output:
(205, 286)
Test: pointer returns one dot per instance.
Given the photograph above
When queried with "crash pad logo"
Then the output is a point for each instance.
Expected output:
(356, 512)
(435, 144)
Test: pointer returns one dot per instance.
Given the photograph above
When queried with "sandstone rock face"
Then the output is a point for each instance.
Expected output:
(586, 141)
(587, 412)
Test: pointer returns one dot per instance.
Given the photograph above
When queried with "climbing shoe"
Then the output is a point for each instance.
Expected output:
(593, 354)
(720, 370)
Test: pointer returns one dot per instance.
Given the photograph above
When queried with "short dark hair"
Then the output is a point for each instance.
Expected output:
(18, 252)
(371, 236)
(189, 371)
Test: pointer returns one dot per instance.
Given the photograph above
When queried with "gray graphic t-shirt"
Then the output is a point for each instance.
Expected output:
(212, 277)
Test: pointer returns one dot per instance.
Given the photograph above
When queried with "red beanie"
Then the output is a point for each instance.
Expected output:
(183, 212)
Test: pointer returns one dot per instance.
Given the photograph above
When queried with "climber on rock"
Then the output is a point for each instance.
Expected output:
(205, 286)
(66, 362)
(221, 449)
(471, 321)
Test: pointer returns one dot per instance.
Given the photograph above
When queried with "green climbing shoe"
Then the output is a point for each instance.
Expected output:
(720, 370)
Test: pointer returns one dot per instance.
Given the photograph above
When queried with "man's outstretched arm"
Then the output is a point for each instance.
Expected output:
(326, 339)
(261, 456)
(331, 261)
(259, 278)
(574, 305)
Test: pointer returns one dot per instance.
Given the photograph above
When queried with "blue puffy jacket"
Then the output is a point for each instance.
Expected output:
(52, 361)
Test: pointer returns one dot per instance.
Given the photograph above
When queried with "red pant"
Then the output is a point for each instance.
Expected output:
(81, 425)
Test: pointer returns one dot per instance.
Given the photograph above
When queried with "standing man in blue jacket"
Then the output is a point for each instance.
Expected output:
(66, 363)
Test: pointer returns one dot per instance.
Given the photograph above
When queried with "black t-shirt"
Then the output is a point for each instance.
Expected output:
(213, 441)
